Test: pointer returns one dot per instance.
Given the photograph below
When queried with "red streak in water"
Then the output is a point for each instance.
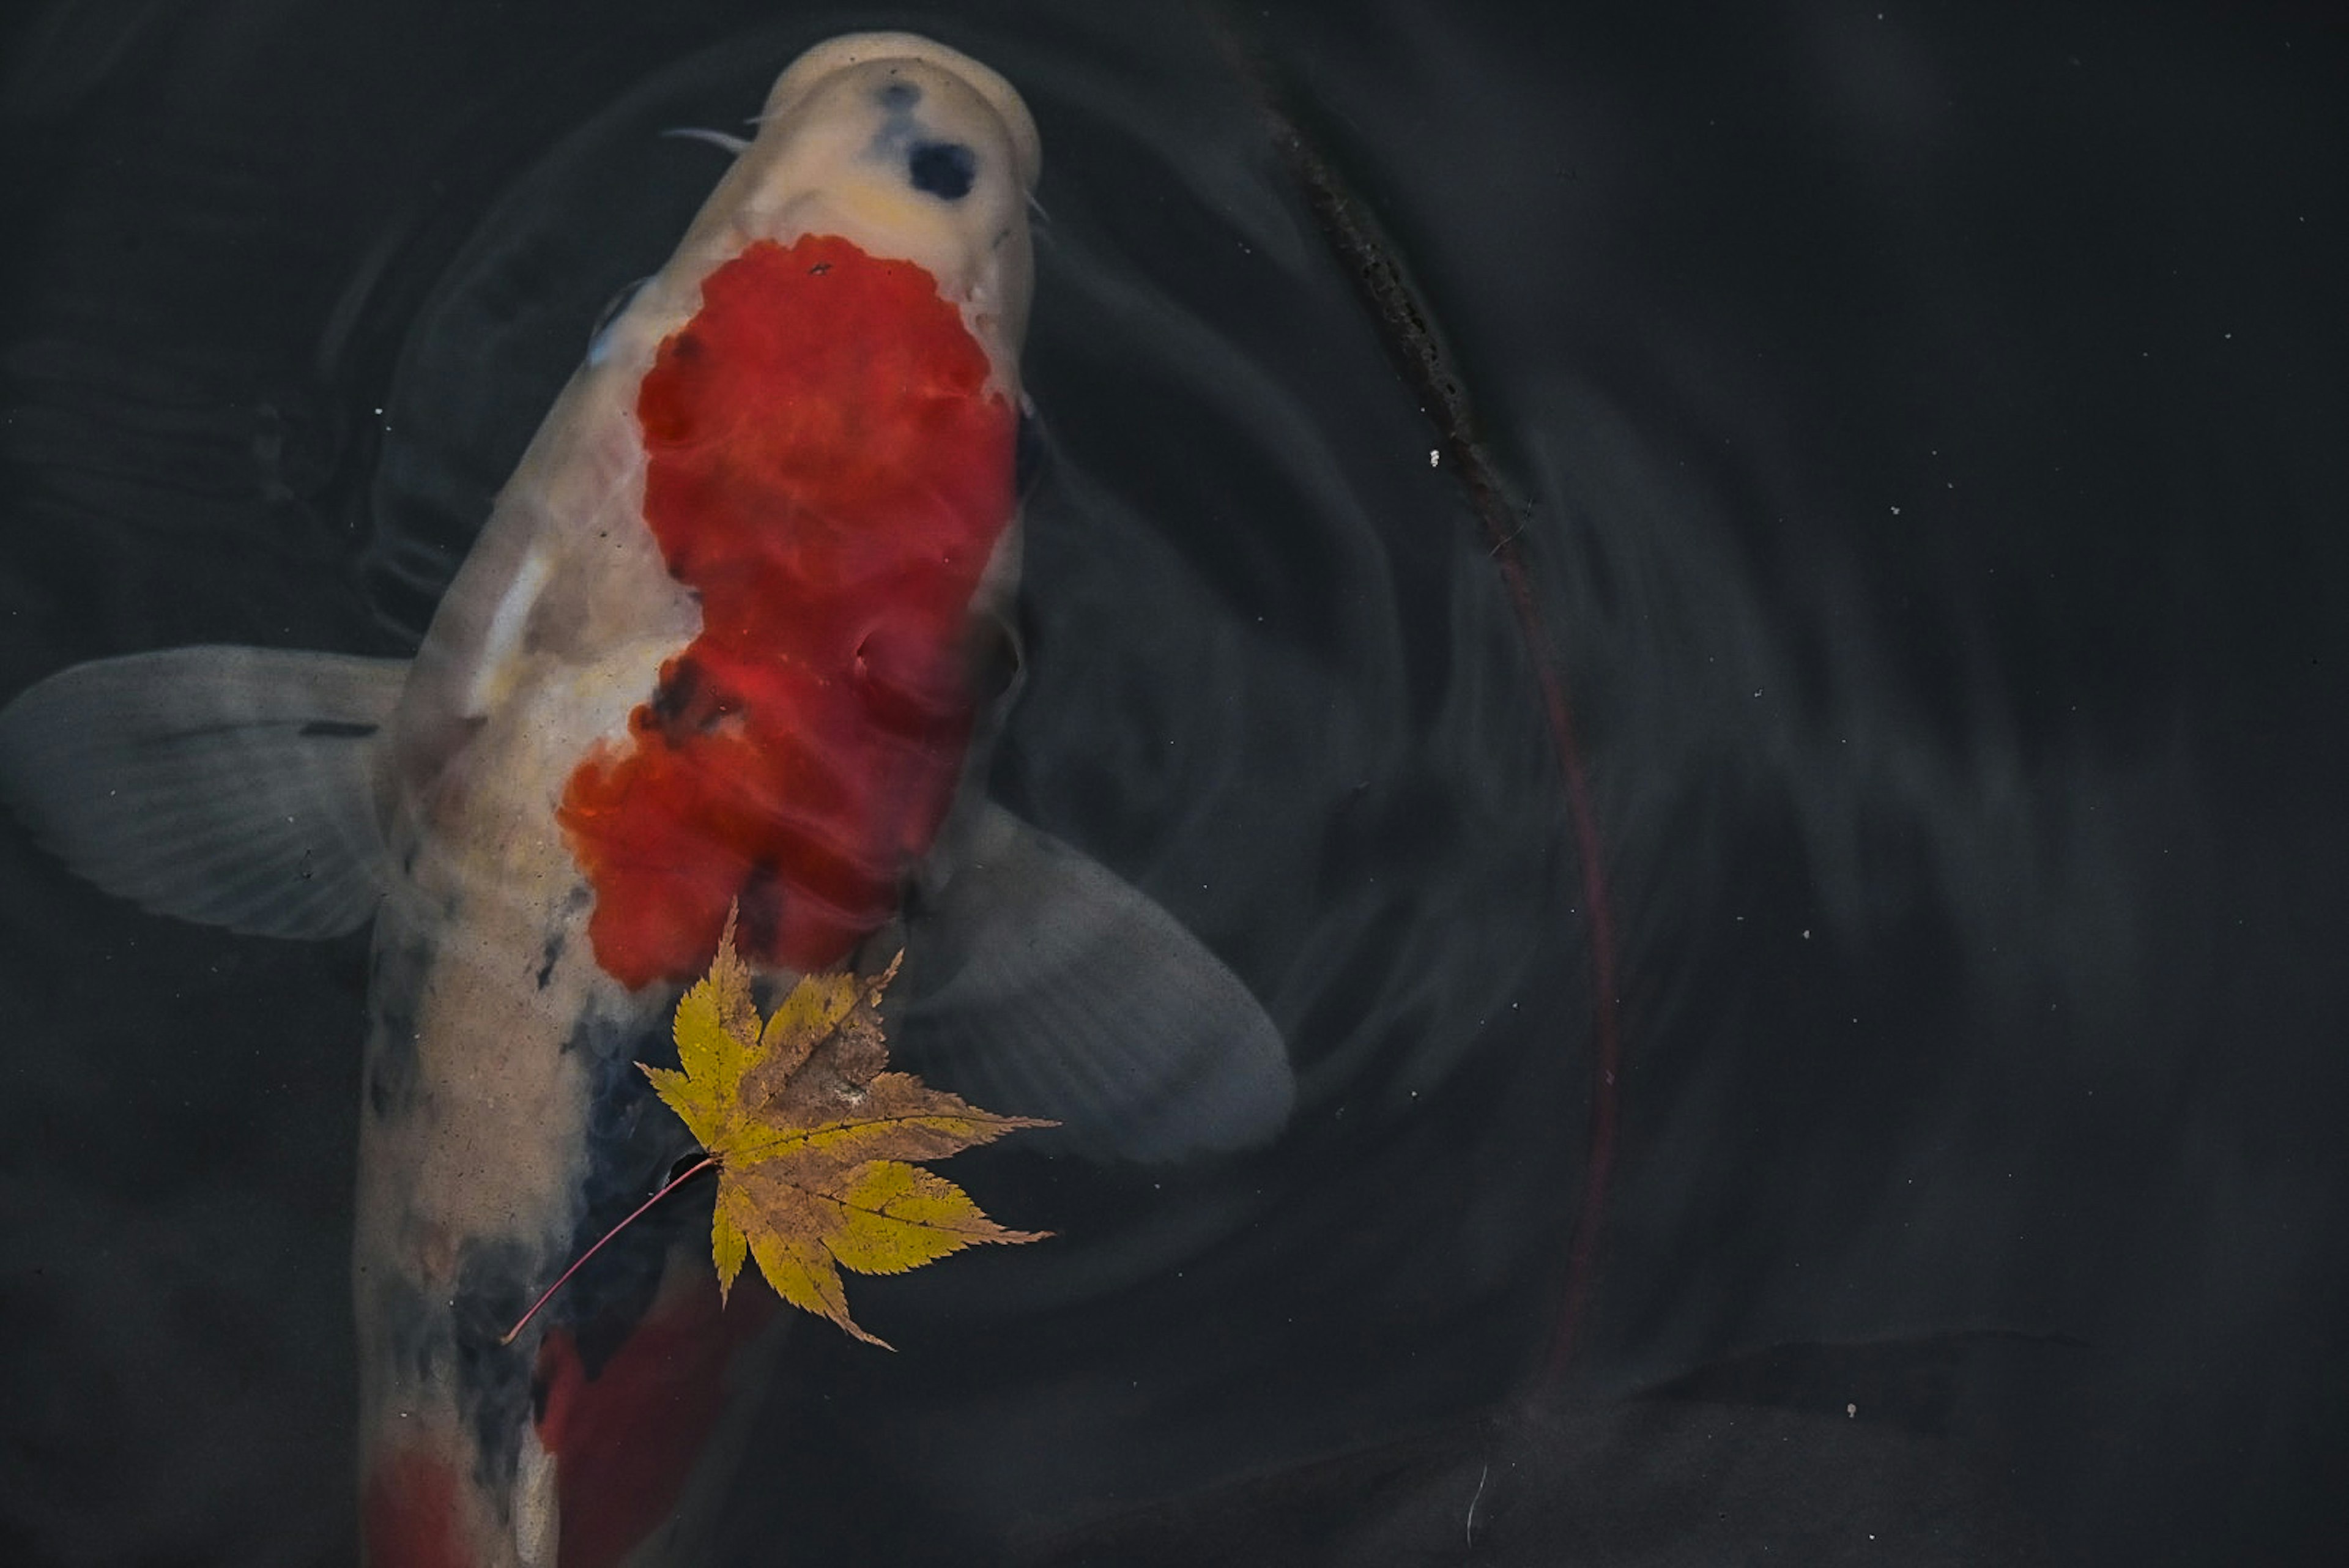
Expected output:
(827, 470)
(409, 1514)
(625, 1440)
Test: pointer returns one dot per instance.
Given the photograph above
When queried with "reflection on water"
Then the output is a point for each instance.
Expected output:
(1934, 735)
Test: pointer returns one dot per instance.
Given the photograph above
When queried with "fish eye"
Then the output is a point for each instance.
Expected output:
(943, 169)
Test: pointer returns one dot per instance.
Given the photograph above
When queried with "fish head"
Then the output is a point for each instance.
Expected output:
(907, 149)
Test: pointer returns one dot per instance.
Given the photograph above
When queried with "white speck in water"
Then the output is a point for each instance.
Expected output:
(1435, 458)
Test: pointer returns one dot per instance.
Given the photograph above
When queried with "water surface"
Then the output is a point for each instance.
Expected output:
(1927, 436)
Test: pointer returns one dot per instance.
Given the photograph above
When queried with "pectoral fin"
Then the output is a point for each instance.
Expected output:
(234, 787)
(1044, 985)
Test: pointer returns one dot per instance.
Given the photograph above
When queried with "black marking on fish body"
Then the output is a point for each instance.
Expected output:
(633, 1144)
(686, 703)
(402, 959)
(412, 1344)
(612, 1294)
(492, 1381)
(429, 1342)
(335, 730)
(897, 96)
(673, 697)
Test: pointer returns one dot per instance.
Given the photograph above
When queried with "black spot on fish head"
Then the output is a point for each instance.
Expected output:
(946, 170)
(898, 96)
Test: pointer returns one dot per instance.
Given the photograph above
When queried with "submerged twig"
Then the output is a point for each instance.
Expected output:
(1408, 325)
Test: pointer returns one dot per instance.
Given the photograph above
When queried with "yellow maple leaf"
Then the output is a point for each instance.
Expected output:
(814, 1140)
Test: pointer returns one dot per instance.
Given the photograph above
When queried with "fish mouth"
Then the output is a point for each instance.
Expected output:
(829, 58)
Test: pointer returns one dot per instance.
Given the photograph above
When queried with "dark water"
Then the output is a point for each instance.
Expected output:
(1933, 432)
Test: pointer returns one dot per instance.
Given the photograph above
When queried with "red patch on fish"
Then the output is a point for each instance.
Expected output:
(827, 469)
(409, 1514)
(627, 1438)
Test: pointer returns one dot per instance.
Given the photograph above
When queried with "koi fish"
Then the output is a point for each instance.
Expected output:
(723, 641)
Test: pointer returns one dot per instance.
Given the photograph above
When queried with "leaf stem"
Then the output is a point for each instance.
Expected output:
(673, 1184)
